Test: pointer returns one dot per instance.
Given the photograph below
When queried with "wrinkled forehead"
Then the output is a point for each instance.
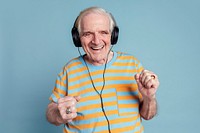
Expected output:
(94, 23)
(95, 19)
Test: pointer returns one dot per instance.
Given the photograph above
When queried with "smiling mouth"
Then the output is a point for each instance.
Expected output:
(97, 48)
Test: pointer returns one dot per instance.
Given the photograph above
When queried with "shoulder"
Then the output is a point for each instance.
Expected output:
(71, 64)
(126, 56)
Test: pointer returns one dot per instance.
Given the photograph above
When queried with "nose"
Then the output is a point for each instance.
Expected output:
(96, 38)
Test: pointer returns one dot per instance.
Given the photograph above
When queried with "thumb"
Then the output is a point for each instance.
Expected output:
(77, 98)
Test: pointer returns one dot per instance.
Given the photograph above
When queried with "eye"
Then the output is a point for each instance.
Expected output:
(86, 34)
(104, 32)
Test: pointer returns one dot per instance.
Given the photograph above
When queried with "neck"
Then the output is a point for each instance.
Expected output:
(101, 62)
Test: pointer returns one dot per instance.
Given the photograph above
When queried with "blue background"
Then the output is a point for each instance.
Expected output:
(35, 43)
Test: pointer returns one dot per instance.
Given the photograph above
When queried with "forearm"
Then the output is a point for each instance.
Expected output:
(148, 108)
(53, 115)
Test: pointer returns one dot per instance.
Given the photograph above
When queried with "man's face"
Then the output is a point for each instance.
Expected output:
(95, 37)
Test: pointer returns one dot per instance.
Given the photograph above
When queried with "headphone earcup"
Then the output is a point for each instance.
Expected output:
(114, 36)
(75, 37)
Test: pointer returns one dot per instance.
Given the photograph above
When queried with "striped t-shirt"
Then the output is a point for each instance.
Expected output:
(120, 95)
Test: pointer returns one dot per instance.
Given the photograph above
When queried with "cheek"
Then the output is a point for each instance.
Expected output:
(84, 43)
(108, 40)
(85, 47)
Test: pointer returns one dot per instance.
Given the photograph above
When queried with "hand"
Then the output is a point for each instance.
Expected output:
(68, 103)
(147, 83)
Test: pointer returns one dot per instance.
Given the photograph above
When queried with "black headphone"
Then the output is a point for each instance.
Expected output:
(77, 41)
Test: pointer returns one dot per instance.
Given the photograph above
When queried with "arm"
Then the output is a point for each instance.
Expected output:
(148, 108)
(147, 85)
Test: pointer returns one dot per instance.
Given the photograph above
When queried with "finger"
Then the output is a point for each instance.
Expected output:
(64, 99)
(155, 83)
(73, 109)
(68, 110)
(63, 113)
(72, 116)
(150, 83)
(153, 76)
(138, 81)
(147, 80)
(143, 75)
(70, 103)
(61, 106)
(146, 77)
(65, 105)
(78, 98)
(69, 117)
(137, 76)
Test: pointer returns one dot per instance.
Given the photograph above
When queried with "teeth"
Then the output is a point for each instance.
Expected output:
(97, 48)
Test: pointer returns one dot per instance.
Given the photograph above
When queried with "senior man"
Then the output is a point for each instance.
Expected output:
(102, 91)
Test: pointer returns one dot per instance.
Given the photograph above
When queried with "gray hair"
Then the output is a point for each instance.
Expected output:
(96, 10)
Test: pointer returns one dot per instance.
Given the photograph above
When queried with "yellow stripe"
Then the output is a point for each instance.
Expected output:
(56, 94)
(127, 57)
(121, 71)
(58, 82)
(119, 87)
(77, 70)
(89, 98)
(73, 64)
(124, 64)
(104, 123)
(64, 78)
(123, 129)
(50, 98)
(98, 72)
(67, 131)
(99, 80)
(126, 87)
(92, 106)
(128, 106)
(127, 97)
(83, 75)
(95, 114)
(128, 128)
(59, 91)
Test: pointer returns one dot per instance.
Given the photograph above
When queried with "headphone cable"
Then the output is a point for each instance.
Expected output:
(100, 94)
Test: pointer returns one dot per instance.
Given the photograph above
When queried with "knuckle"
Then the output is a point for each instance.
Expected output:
(73, 108)
(64, 117)
(72, 102)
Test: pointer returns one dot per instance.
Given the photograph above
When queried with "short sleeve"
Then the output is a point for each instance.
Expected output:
(139, 68)
(60, 88)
